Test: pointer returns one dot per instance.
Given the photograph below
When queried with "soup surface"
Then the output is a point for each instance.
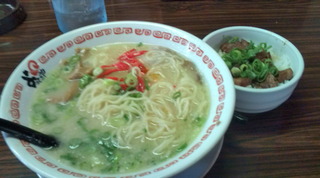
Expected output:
(121, 107)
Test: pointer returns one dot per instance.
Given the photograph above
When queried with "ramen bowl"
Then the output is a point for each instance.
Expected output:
(258, 100)
(20, 87)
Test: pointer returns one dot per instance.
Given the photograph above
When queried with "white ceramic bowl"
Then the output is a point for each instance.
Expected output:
(17, 93)
(252, 100)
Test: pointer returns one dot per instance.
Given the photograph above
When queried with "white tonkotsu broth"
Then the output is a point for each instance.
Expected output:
(125, 120)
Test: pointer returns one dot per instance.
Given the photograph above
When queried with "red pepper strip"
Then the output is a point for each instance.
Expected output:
(135, 62)
(140, 86)
(124, 86)
(137, 53)
(129, 57)
(114, 78)
(106, 66)
(107, 72)
(126, 54)
(131, 54)
(121, 66)
(142, 68)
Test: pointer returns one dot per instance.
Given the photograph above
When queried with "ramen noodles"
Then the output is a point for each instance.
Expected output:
(122, 107)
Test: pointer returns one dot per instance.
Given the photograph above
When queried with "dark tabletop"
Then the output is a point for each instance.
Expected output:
(284, 142)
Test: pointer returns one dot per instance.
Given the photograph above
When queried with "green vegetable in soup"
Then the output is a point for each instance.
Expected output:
(85, 80)
(176, 95)
(71, 63)
(182, 147)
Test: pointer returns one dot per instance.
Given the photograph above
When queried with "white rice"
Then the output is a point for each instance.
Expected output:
(281, 62)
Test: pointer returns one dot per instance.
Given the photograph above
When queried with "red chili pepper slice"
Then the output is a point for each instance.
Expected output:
(105, 66)
(120, 66)
(126, 60)
(113, 78)
(143, 68)
(107, 72)
(126, 54)
(135, 62)
(141, 85)
(131, 54)
(123, 86)
(138, 53)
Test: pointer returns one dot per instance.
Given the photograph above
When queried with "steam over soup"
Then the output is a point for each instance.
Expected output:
(121, 107)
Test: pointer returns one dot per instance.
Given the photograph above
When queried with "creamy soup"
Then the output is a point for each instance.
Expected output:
(122, 107)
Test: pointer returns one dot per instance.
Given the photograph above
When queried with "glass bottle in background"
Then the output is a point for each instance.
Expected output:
(72, 14)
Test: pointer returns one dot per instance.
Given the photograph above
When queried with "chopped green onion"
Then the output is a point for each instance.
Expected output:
(74, 59)
(251, 74)
(228, 63)
(70, 157)
(264, 46)
(233, 39)
(236, 54)
(176, 95)
(131, 80)
(274, 71)
(262, 76)
(244, 67)
(130, 88)
(268, 62)
(243, 62)
(243, 75)
(67, 69)
(71, 63)
(136, 95)
(120, 91)
(85, 80)
(116, 87)
(252, 46)
(109, 82)
(182, 147)
(140, 44)
(251, 53)
(146, 84)
(235, 71)
(199, 121)
(126, 117)
(97, 71)
(258, 66)
(82, 123)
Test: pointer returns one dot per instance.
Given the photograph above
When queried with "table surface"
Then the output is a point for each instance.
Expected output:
(283, 142)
